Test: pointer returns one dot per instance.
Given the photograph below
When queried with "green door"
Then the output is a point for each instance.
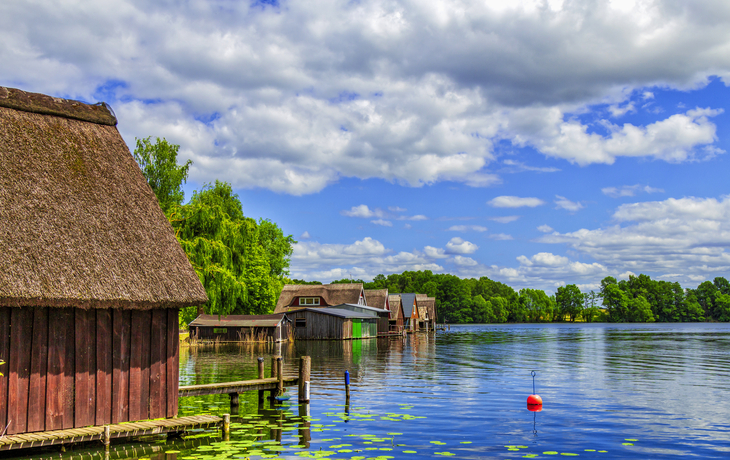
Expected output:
(356, 328)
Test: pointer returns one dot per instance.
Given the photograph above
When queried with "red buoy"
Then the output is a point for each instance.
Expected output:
(534, 402)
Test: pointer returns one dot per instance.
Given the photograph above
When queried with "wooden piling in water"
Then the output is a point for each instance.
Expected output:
(280, 375)
(305, 368)
(226, 427)
(261, 376)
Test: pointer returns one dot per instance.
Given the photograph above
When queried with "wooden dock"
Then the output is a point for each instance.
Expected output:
(242, 386)
(97, 433)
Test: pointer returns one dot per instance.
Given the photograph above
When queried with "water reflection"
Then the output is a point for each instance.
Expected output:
(661, 384)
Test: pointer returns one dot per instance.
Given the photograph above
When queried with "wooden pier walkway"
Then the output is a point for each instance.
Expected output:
(97, 433)
(235, 387)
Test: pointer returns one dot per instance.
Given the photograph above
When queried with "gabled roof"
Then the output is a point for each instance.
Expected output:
(239, 320)
(429, 304)
(333, 294)
(407, 301)
(395, 307)
(79, 225)
(377, 298)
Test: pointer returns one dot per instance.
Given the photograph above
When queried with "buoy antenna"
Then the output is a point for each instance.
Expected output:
(533, 373)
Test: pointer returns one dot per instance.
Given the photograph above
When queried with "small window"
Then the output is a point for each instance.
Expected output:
(220, 330)
(309, 301)
(300, 322)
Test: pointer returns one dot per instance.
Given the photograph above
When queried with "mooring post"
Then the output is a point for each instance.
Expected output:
(280, 374)
(304, 432)
(226, 427)
(274, 368)
(305, 368)
(234, 403)
(347, 387)
(261, 376)
(107, 437)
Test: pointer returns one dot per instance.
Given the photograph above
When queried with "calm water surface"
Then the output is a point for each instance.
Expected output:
(609, 391)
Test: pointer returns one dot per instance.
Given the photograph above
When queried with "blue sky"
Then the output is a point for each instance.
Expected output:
(539, 143)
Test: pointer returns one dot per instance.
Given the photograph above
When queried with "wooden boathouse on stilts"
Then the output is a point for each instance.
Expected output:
(91, 275)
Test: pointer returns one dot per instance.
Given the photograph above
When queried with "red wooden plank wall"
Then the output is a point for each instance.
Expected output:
(69, 367)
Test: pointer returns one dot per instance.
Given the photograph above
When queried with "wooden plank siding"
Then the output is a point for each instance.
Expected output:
(72, 368)
(4, 356)
(320, 326)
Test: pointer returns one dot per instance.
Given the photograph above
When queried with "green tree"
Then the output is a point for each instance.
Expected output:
(590, 309)
(536, 305)
(159, 166)
(639, 310)
(226, 251)
(615, 301)
(569, 302)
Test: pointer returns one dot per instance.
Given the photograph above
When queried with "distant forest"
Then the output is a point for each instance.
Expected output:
(638, 299)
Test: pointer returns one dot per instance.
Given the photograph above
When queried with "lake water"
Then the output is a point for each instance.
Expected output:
(609, 391)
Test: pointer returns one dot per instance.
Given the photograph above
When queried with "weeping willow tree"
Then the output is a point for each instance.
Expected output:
(230, 253)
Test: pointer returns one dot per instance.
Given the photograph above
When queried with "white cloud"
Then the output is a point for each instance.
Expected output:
(677, 138)
(304, 236)
(467, 228)
(362, 211)
(396, 209)
(564, 203)
(460, 246)
(629, 190)
(295, 97)
(516, 166)
(465, 261)
(545, 228)
(504, 219)
(436, 253)
(515, 202)
(501, 237)
(416, 217)
(383, 222)
(687, 235)
(363, 259)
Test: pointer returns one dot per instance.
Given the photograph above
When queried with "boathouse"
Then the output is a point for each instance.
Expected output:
(396, 313)
(297, 296)
(410, 311)
(381, 316)
(426, 312)
(91, 275)
(241, 328)
(378, 298)
(332, 323)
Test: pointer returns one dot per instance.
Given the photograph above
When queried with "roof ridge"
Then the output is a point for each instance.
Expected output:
(100, 113)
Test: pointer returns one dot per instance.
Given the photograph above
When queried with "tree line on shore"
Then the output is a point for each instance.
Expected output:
(637, 299)
(243, 265)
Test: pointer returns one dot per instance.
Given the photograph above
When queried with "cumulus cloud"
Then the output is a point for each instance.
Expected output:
(295, 96)
(465, 261)
(515, 202)
(467, 228)
(383, 222)
(304, 236)
(545, 228)
(362, 211)
(563, 203)
(363, 259)
(687, 236)
(436, 253)
(460, 246)
(629, 190)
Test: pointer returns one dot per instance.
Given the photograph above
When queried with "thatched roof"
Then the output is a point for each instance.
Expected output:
(395, 307)
(79, 225)
(238, 320)
(377, 298)
(331, 294)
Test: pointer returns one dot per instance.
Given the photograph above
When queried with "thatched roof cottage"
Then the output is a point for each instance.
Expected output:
(91, 275)
(298, 296)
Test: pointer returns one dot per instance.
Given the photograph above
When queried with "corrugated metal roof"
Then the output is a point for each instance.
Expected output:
(340, 313)
(239, 320)
(364, 309)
